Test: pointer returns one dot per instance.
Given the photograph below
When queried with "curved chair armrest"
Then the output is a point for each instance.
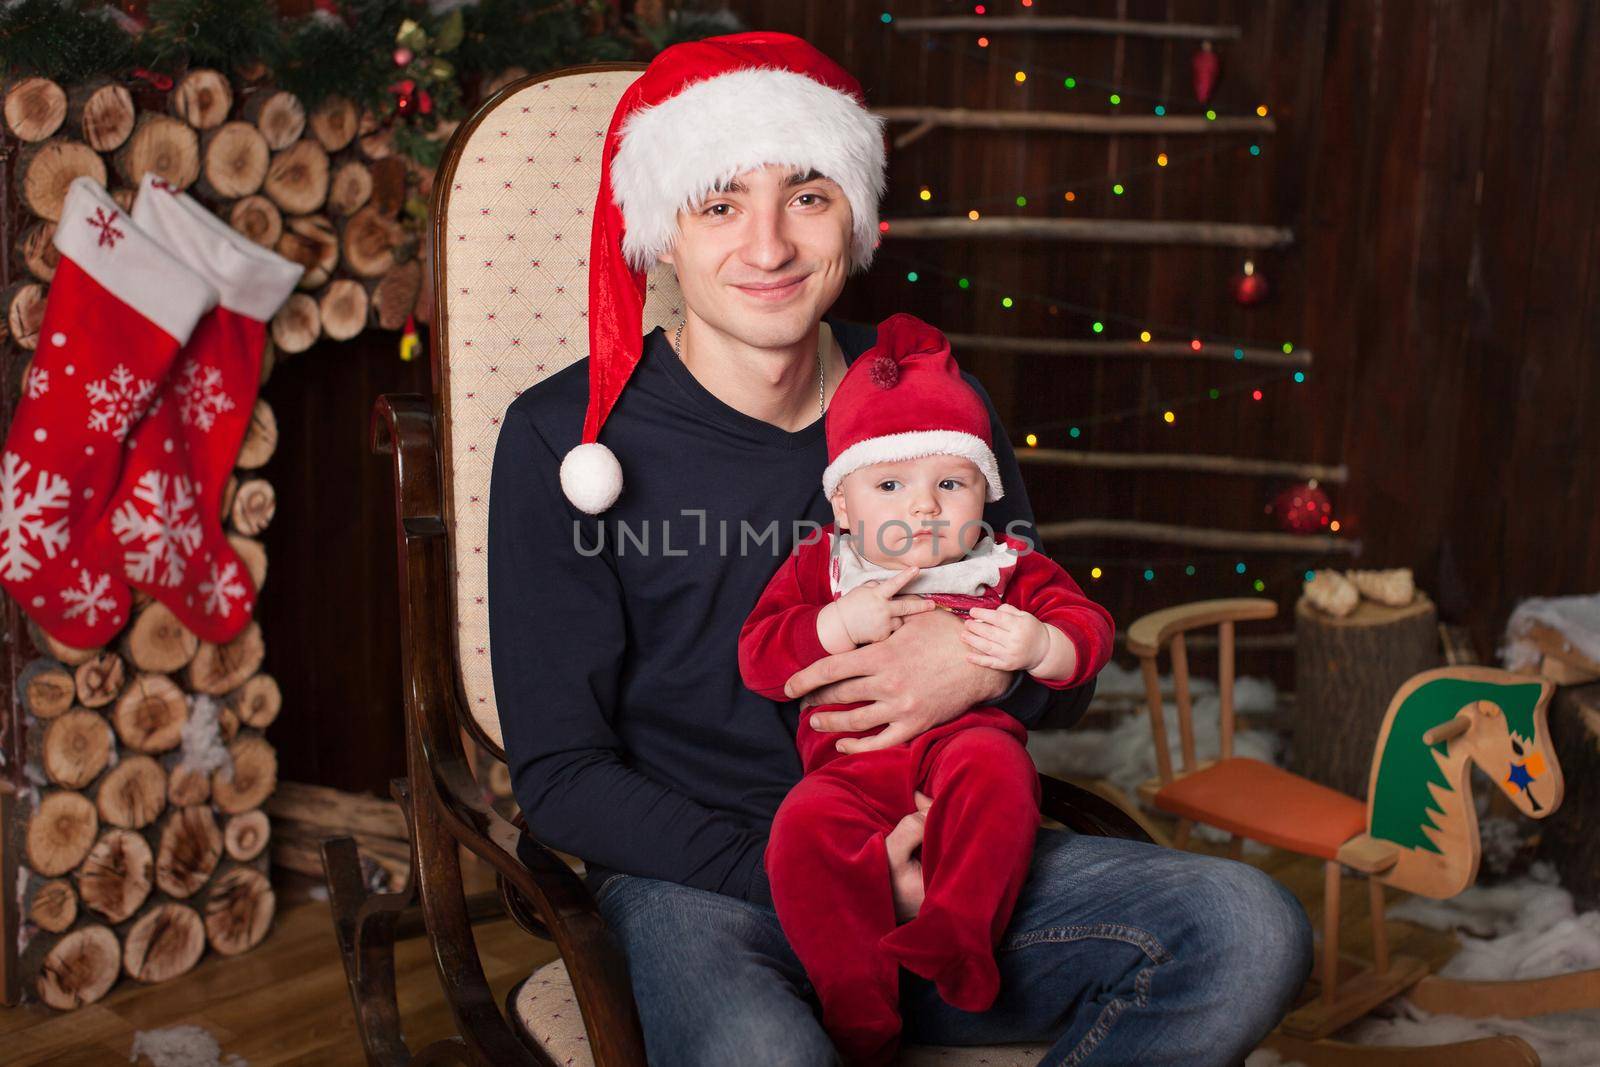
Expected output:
(1078, 809)
(1149, 632)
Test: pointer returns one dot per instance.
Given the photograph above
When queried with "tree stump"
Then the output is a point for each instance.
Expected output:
(1346, 672)
(1568, 838)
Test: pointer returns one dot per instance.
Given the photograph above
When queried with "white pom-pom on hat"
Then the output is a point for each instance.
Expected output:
(591, 477)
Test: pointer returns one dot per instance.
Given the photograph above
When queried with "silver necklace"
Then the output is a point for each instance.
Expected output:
(822, 408)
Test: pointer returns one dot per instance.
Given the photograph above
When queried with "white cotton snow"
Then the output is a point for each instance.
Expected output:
(1577, 617)
(203, 747)
(181, 1046)
(1523, 928)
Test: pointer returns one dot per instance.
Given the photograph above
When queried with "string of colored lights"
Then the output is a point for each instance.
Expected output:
(1071, 189)
(1099, 316)
(1070, 79)
(1147, 567)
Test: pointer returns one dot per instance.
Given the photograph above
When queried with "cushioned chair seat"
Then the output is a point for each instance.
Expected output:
(543, 1005)
(1264, 803)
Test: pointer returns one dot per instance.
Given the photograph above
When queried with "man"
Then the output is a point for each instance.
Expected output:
(751, 165)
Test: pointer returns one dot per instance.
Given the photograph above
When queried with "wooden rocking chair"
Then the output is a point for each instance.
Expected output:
(1417, 831)
(511, 212)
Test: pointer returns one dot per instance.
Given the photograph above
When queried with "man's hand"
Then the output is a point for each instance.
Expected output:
(905, 869)
(915, 679)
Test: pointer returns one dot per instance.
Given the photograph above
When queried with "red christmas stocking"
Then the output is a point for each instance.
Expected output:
(119, 309)
(162, 531)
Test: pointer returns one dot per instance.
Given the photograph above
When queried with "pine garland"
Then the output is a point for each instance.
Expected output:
(65, 42)
(224, 34)
(395, 57)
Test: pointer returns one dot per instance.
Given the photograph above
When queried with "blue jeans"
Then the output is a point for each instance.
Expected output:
(1118, 952)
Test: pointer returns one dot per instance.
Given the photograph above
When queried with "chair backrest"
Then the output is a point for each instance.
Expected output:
(1167, 627)
(511, 249)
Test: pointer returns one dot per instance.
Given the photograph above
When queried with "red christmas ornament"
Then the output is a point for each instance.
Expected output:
(1249, 288)
(1205, 67)
(1303, 509)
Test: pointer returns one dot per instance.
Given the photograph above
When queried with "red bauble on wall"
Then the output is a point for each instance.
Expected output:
(1206, 68)
(1249, 286)
(1303, 509)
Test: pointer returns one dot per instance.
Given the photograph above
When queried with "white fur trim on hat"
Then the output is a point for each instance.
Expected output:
(672, 155)
(915, 444)
(591, 477)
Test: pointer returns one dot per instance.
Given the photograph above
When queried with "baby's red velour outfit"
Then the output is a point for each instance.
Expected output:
(826, 858)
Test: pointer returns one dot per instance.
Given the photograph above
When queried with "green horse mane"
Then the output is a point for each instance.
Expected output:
(1402, 805)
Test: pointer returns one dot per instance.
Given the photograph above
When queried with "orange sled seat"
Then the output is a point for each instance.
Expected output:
(1255, 800)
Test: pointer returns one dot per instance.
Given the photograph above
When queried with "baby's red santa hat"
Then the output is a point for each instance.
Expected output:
(904, 398)
(700, 114)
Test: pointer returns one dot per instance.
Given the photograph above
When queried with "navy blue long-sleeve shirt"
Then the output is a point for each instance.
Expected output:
(631, 741)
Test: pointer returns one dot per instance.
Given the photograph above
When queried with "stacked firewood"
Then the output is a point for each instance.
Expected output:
(140, 835)
(143, 837)
(323, 188)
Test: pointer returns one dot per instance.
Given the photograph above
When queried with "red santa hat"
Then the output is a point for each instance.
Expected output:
(700, 114)
(904, 398)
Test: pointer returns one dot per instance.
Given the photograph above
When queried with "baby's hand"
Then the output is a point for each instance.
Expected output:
(1006, 638)
(871, 611)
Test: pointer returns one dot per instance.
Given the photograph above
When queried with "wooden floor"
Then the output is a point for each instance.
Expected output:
(286, 1001)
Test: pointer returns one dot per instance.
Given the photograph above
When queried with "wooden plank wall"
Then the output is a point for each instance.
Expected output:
(1435, 161)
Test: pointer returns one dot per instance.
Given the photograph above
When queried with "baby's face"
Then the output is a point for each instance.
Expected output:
(914, 512)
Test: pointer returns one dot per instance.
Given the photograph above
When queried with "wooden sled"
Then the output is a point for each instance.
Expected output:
(1418, 830)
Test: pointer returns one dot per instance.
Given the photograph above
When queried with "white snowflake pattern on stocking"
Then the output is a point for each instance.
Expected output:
(88, 598)
(23, 523)
(37, 383)
(166, 535)
(222, 589)
(119, 400)
(201, 397)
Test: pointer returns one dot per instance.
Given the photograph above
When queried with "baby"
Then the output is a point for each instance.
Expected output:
(910, 469)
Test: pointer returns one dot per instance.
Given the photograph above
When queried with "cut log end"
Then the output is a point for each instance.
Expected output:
(115, 878)
(80, 968)
(217, 669)
(60, 833)
(250, 780)
(164, 942)
(247, 835)
(187, 854)
(239, 909)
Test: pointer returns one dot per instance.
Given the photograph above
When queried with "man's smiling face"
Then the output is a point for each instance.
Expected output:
(763, 258)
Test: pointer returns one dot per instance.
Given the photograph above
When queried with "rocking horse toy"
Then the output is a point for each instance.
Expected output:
(1417, 831)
